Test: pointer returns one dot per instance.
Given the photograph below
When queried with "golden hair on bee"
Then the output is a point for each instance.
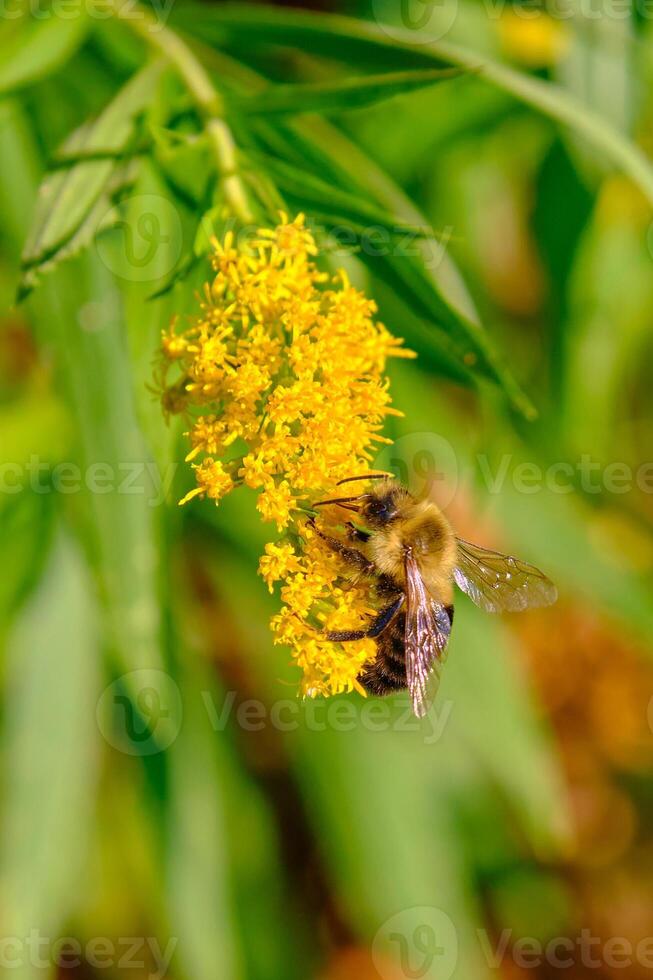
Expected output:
(408, 552)
(404, 525)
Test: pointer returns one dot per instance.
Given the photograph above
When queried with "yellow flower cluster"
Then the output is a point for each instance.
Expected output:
(283, 378)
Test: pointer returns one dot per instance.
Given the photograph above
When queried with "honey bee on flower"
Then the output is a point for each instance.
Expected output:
(282, 376)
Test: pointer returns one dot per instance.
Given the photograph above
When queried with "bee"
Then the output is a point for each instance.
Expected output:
(411, 556)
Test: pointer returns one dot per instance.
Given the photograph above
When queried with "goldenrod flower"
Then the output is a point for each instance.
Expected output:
(282, 376)
(212, 480)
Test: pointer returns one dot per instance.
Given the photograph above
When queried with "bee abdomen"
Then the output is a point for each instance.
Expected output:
(377, 679)
(387, 673)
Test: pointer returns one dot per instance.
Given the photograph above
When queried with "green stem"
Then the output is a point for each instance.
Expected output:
(207, 99)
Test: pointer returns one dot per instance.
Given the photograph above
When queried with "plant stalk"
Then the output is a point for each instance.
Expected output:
(207, 99)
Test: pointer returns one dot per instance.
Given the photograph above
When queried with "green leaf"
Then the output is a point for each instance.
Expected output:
(346, 38)
(432, 289)
(490, 701)
(25, 527)
(322, 199)
(77, 312)
(224, 870)
(31, 49)
(609, 301)
(184, 268)
(19, 156)
(344, 95)
(386, 890)
(99, 218)
(148, 258)
(67, 197)
(120, 515)
(198, 874)
(335, 36)
(50, 750)
(436, 349)
(186, 163)
(564, 537)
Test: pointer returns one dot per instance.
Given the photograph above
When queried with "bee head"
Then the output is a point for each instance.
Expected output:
(383, 505)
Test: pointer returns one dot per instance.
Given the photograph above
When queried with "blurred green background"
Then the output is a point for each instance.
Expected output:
(167, 806)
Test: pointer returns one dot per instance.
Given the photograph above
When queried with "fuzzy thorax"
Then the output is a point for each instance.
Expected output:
(422, 529)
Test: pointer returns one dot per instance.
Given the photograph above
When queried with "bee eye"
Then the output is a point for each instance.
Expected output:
(380, 510)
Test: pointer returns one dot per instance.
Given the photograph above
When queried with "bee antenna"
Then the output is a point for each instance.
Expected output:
(365, 476)
(337, 500)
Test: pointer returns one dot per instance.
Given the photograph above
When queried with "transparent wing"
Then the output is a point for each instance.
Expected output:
(497, 582)
(426, 635)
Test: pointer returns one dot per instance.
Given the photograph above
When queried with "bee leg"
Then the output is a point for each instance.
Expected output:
(376, 627)
(352, 556)
(387, 588)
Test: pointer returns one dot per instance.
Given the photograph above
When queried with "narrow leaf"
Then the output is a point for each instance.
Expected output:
(347, 38)
(67, 197)
(124, 488)
(341, 96)
(50, 755)
(318, 145)
(432, 289)
(38, 47)
(199, 899)
(25, 524)
(491, 702)
(77, 312)
(99, 218)
(313, 192)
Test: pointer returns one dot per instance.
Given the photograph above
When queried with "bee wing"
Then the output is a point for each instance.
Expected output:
(497, 582)
(426, 635)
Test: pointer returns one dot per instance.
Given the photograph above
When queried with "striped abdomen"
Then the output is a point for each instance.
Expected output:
(387, 674)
